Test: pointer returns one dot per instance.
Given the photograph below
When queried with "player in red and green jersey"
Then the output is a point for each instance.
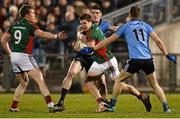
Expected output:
(83, 61)
(24, 65)
(22, 36)
(103, 57)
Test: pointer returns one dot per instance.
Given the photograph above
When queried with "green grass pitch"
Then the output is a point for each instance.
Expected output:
(84, 106)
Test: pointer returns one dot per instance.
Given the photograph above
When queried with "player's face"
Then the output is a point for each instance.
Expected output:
(96, 15)
(32, 16)
(85, 25)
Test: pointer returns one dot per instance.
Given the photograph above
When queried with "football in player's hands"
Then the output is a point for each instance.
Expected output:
(79, 45)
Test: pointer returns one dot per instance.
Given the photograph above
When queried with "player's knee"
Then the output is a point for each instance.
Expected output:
(114, 78)
(119, 82)
(71, 75)
(38, 78)
(24, 83)
(118, 79)
(129, 87)
(155, 85)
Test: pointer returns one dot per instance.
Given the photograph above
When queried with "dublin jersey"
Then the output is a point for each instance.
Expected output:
(22, 34)
(104, 54)
(136, 33)
(104, 26)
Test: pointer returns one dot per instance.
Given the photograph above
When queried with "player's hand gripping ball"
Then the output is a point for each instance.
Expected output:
(79, 45)
(81, 42)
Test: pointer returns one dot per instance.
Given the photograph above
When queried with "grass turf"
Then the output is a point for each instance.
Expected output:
(84, 106)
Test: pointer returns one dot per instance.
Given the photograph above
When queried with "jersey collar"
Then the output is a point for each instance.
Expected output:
(135, 19)
(99, 22)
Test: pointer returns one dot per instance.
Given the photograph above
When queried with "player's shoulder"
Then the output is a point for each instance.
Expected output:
(14, 25)
(28, 24)
(144, 23)
(22, 23)
(147, 24)
(104, 22)
(33, 25)
(123, 26)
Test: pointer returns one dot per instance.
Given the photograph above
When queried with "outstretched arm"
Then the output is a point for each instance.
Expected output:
(103, 43)
(48, 35)
(4, 42)
(159, 43)
(106, 42)
(113, 28)
(162, 47)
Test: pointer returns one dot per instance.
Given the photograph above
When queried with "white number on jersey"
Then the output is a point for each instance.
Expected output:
(17, 36)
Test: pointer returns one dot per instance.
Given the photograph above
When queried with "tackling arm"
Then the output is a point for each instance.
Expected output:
(106, 42)
(5, 44)
(162, 47)
(103, 43)
(159, 43)
(48, 35)
(113, 28)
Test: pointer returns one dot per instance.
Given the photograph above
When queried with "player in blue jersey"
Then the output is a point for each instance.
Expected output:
(106, 27)
(137, 33)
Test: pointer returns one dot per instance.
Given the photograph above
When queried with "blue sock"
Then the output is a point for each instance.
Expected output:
(165, 106)
(113, 102)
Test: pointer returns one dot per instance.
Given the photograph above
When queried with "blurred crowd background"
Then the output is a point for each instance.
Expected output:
(55, 16)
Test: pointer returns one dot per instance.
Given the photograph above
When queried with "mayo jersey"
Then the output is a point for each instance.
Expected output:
(104, 54)
(22, 34)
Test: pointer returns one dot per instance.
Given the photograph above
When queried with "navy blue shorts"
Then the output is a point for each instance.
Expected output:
(85, 60)
(134, 65)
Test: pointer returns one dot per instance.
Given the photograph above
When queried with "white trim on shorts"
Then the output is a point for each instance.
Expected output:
(127, 65)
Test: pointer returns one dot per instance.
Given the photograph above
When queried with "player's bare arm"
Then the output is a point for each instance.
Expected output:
(4, 42)
(106, 42)
(61, 35)
(113, 28)
(159, 43)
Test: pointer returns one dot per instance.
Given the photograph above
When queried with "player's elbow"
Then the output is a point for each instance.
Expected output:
(158, 42)
(39, 33)
(3, 41)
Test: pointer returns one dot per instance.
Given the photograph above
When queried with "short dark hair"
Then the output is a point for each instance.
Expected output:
(96, 7)
(85, 17)
(135, 12)
(25, 10)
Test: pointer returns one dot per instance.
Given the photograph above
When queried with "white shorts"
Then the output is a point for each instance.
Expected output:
(22, 62)
(110, 67)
